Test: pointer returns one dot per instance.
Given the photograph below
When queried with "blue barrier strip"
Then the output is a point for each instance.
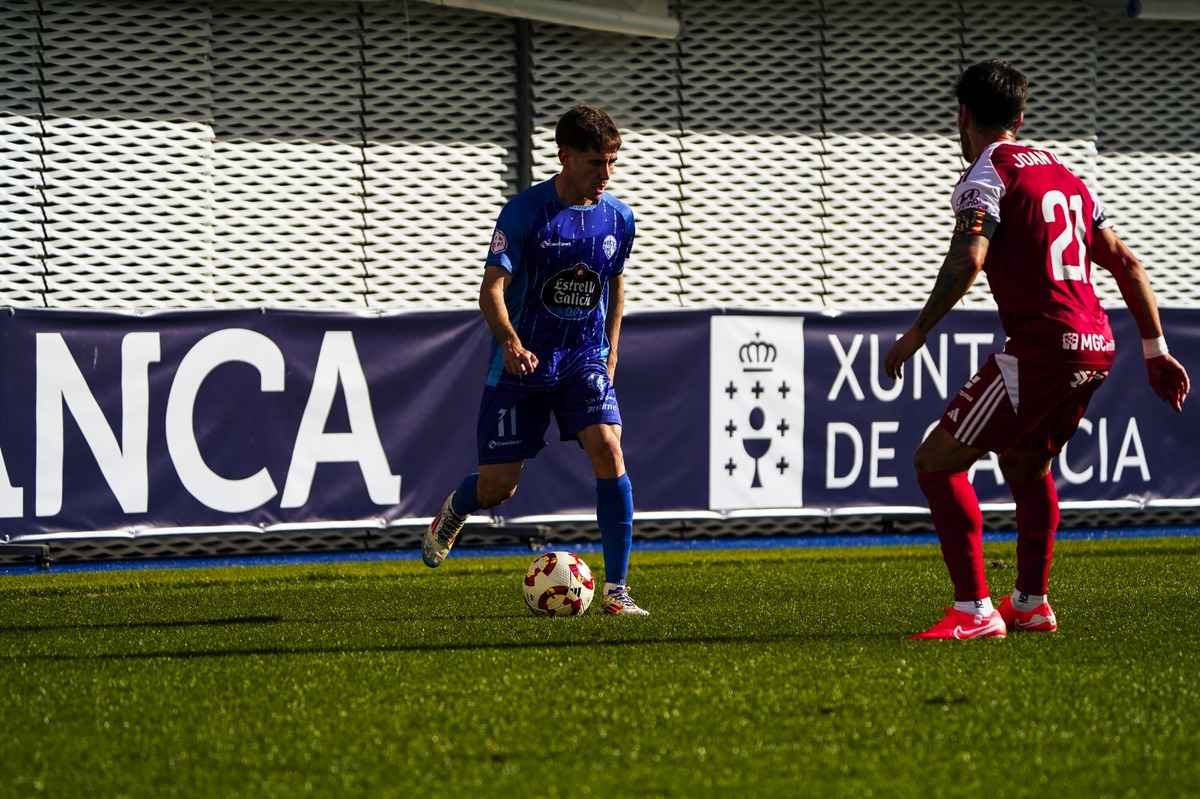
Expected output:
(773, 542)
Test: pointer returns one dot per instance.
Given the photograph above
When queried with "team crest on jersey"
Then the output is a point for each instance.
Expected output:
(499, 242)
(610, 245)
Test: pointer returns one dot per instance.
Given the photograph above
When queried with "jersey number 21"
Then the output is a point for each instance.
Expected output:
(1073, 233)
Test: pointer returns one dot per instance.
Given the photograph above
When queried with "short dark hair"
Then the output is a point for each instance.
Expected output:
(994, 92)
(587, 128)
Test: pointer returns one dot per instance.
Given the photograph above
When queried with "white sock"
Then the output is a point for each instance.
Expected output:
(610, 587)
(1026, 602)
(977, 607)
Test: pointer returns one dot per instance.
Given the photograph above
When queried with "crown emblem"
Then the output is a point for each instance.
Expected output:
(757, 355)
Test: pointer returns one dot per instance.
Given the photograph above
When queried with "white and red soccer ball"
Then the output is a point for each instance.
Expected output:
(558, 584)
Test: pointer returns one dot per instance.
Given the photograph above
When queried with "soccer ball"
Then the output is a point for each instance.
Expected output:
(558, 584)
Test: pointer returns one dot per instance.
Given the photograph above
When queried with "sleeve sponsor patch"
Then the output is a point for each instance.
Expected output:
(974, 222)
(980, 187)
(499, 242)
(969, 198)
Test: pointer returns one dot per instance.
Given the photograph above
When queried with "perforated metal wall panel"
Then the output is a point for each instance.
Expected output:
(407, 537)
(21, 201)
(893, 153)
(332, 154)
(753, 189)
(287, 156)
(127, 152)
(1149, 138)
(441, 146)
(636, 81)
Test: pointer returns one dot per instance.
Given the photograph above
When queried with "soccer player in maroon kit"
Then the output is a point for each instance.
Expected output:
(1035, 229)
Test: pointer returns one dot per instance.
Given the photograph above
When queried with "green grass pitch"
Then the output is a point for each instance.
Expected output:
(760, 673)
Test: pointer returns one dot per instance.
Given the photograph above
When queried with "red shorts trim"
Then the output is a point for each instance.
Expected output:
(1011, 403)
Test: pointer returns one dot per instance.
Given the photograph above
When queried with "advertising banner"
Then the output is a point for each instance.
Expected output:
(193, 419)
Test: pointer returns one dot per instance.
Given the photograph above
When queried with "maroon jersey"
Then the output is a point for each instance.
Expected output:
(1040, 218)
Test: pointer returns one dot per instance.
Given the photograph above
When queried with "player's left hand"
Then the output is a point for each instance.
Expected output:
(904, 348)
(1169, 380)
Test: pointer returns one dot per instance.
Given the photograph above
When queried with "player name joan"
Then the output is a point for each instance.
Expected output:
(1034, 158)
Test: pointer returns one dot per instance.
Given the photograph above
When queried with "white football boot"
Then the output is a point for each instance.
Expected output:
(442, 534)
(616, 601)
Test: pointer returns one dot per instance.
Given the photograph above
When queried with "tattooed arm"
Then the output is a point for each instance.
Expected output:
(964, 261)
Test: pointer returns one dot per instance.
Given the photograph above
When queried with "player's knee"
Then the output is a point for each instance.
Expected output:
(611, 452)
(1020, 466)
(923, 460)
(606, 455)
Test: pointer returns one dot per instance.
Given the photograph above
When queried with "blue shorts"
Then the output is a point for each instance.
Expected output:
(513, 419)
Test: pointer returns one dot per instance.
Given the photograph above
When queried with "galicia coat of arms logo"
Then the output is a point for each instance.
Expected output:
(756, 407)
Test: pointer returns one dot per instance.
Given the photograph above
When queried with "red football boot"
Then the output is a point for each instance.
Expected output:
(1039, 620)
(956, 625)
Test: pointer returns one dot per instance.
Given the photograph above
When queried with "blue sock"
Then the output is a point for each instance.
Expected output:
(464, 502)
(614, 513)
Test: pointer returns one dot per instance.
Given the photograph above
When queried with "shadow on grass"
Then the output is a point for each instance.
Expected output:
(255, 620)
(135, 625)
(194, 654)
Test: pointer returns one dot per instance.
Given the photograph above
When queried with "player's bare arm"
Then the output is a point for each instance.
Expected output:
(517, 359)
(962, 265)
(616, 307)
(1167, 376)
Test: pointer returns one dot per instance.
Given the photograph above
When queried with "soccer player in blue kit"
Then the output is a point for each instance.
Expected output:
(553, 294)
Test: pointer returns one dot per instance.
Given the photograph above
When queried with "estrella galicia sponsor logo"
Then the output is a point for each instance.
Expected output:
(572, 293)
(610, 246)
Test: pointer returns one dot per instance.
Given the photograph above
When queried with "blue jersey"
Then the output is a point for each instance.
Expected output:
(561, 258)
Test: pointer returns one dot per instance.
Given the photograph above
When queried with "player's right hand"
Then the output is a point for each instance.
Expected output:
(1169, 380)
(518, 360)
(904, 348)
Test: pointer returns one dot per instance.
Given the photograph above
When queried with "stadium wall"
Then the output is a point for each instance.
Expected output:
(186, 154)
